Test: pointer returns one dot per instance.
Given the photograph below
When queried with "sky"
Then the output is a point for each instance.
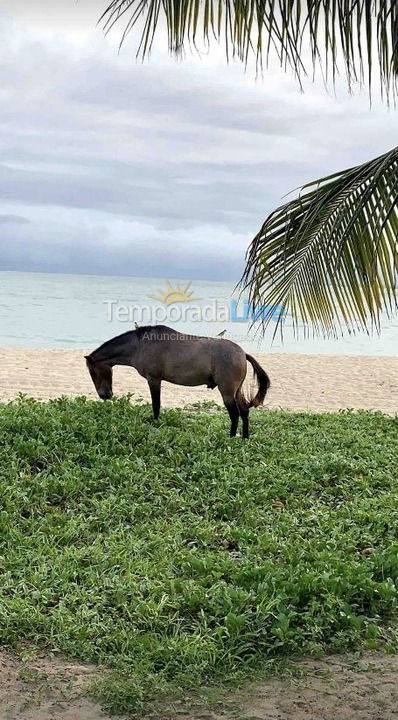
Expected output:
(165, 168)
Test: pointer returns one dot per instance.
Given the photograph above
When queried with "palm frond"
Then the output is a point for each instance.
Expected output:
(330, 257)
(350, 34)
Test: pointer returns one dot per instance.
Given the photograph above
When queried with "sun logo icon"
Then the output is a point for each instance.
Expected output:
(175, 294)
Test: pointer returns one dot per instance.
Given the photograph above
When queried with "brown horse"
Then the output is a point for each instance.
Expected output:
(160, 353)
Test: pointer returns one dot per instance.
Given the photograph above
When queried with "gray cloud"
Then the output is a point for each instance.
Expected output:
(13, 220)
(158, 169)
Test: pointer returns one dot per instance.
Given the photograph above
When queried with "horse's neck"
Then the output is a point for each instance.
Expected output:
(111, 355)
(123, 361)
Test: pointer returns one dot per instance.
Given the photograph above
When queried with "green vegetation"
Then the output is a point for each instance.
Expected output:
(178, 557)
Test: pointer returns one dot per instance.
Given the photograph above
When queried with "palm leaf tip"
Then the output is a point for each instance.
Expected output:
(329, 257)
(356, 34)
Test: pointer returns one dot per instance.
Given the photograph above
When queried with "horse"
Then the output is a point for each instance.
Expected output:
(160, 353)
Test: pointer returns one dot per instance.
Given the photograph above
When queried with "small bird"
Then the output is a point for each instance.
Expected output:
(136, 326)
(221, 334)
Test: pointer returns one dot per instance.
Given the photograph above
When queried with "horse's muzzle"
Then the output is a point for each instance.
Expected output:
(106, 395)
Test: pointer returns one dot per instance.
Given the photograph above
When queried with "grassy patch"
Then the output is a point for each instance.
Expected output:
(179, 557)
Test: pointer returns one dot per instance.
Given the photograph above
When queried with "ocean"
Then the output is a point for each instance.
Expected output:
(45, 310)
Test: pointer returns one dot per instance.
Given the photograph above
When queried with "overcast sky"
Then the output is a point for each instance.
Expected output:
(161, 169)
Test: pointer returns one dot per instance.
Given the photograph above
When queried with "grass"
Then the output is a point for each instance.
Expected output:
(178, 557)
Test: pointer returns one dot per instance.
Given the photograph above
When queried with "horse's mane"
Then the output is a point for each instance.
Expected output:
(110, 347)
(141, 332)
(153, 332)
(113, 346)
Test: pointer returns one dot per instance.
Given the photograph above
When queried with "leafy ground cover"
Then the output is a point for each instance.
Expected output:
(178, 557)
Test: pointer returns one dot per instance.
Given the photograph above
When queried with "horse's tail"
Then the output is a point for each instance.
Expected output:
(263, 384)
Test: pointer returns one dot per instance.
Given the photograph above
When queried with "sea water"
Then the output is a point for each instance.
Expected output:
(45, 310)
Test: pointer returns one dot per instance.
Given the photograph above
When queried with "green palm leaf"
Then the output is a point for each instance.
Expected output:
(353, 33)
(330, 256)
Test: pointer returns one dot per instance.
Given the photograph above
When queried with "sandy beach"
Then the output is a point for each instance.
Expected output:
(317, 383)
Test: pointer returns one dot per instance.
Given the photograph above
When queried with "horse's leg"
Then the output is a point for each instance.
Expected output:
(234, 415)
(245, 422)
(154, 387)
(230, 404)
(243, 412)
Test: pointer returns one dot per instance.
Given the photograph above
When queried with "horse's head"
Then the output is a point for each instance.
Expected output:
(101, 375)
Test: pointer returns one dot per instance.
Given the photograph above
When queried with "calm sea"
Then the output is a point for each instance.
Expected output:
(81, 311)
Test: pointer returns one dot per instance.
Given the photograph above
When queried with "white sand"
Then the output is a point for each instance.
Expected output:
(299, 382)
